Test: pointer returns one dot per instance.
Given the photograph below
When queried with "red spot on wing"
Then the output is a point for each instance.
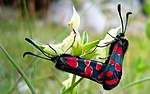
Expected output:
(98, 66)
(112, 82)
(109, 73)
(88, 71)
(118, 67)
(119, 52)
(72, 61)
(112, 62)
(100, 75)
(87, 62)
(115, 48)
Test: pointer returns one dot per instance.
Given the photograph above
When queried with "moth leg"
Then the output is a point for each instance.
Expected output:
(71, 44)
(93, 50)
(100, 82)
(89, 52)
(112, 36)
(104, 57)
(108, 43)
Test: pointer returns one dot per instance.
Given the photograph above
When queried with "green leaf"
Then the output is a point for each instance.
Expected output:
(64, 45)
(89, 46)
(89, 56)
(77, 49)
(148, 29)
(85, 38)
(50, 51)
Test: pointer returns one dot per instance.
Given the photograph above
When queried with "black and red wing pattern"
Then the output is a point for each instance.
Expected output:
(108, 74)
(113, 72)
(90, 69)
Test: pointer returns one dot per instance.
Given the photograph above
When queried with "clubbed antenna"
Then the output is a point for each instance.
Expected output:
(30, 53)
(34, 44)
(119, 11)
(127, 16)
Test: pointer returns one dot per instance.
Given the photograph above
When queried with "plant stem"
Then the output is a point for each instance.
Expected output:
(27, 18)
(18, 80)
(73, 81)
(131, 84)
(71, 87)
(19, 70)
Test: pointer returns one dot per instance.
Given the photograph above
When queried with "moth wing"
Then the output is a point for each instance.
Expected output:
(113, 70)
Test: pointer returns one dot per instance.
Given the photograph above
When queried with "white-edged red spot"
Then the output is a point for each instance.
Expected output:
(112, 82)
(119, 51)
(100, 75)
(109, 73)
(88, 71)
(98, 66)
(118, 67)
(72, 62)
(115, 48)
(87, 62)
(112, 62)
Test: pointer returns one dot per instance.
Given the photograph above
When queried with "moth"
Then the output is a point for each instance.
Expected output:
(117, 50)
(108, 73)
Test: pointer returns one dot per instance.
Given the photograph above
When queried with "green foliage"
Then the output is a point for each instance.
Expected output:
(147, 7)
(19, 70)
(85, 38)
(148, 28)
(140, 66)
(46, 79)
(88, 46)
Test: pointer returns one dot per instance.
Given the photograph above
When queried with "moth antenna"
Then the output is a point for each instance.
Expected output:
(30, 53)
(32, 42)
(119, 11)
(127, 17)
(53, 49)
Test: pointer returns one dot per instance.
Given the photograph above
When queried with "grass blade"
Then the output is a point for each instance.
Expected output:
(19, 70)
(131, 84)
(27, 18)
(18, 80)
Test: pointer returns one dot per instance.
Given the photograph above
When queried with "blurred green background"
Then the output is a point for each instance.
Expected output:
(46, 22)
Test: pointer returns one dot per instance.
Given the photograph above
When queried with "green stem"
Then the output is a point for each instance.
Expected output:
(27, 18)
(73, 81)
(72, 86)
(131, 84)
(19, 70)
(15, 85)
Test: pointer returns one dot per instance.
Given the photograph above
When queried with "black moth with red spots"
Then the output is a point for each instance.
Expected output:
(90, 69)
(117, 50)
(108, 74)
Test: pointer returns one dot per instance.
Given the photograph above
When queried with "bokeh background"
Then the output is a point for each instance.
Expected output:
(46, 21)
